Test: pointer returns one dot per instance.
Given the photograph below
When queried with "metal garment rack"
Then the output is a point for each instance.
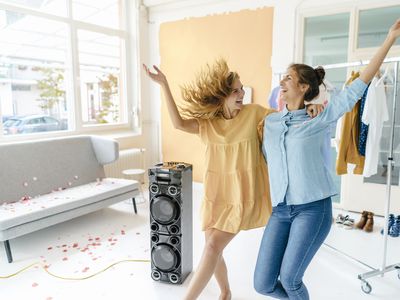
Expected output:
(365, 286)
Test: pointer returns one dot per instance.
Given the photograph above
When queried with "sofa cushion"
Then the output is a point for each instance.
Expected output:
(33, 168)
(27, 210)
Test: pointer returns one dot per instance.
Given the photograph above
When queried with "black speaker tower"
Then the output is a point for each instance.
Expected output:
(170, 188)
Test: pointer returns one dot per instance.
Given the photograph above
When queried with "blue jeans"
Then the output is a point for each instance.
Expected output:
(291, 238)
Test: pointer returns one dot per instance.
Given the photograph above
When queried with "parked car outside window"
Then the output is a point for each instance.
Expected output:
(31, 124)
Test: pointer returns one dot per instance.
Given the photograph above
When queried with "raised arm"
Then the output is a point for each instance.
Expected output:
(190, 125)
(376, 61)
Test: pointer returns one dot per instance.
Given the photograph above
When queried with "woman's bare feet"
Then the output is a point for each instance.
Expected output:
(225, 296)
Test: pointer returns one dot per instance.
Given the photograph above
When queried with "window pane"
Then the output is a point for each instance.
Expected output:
(326, 39)
(99, 58)
(374, 25)
(55, 7)
(33, 53)
(100, 12)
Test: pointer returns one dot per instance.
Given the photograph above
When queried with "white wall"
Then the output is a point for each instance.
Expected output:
(355, 195)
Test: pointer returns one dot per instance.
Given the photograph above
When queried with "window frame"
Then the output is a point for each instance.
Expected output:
(129, 93)
(353, 53)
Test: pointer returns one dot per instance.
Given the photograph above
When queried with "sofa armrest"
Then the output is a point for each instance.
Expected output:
(106, 150)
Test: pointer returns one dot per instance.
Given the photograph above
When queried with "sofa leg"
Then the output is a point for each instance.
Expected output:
(134, 205)
(8, 251)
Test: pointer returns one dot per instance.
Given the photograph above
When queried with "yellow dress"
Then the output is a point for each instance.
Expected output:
(236, 186)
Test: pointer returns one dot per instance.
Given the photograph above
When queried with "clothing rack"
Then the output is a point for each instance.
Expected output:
(365, 286)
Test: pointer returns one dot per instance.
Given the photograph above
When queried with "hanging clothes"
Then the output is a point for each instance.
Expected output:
(273, 97)
(348, 152)
(362, 140)
(375, 114)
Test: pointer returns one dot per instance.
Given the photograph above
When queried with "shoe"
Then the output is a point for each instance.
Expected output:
(360, 224)
(348, 223)
(390, 222)
(395, 229)
(369, 225)
(339, 220)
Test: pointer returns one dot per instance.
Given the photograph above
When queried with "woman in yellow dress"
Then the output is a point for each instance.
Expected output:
(236, 190)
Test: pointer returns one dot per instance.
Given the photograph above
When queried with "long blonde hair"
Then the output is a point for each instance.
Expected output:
(205, 97)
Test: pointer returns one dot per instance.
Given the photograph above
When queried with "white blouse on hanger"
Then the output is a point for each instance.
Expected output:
(375, 114)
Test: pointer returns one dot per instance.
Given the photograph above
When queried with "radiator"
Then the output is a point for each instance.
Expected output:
(128, 159)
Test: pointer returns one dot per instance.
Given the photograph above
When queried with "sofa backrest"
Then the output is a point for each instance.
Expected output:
(29, 169)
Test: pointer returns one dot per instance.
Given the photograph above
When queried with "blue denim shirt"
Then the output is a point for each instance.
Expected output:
(293, 148)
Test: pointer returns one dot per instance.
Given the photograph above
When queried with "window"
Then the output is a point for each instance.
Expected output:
(326, 40)
(44, 49)
(374, 24)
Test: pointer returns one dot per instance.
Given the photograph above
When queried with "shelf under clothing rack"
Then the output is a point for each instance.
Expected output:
(365, 286)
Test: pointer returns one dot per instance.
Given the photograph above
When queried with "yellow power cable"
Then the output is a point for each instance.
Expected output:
(72, 278)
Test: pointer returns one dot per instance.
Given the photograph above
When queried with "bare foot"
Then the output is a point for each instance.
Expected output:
(226, 296)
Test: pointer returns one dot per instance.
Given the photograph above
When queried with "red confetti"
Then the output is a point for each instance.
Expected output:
(49, 248)
(85, 269)
(123, 232)
(65, 250)
(65, 258)
(75, 245)
(97, 239)
(34, 284)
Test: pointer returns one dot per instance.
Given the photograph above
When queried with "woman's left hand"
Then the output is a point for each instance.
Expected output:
(314, 110)
(394, 31)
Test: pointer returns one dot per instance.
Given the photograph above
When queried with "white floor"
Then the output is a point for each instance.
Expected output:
(89, 244)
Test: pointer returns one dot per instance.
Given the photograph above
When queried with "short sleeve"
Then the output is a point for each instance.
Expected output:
(260, 125)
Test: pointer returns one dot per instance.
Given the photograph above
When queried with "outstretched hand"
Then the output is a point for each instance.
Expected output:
(158, 77)
(394, 31)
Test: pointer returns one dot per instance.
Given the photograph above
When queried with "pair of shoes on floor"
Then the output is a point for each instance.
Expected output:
(366, 222)
(344, 221)
(393, 226)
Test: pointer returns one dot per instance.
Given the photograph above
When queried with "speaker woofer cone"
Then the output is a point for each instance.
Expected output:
(164, 209)
(165, 257)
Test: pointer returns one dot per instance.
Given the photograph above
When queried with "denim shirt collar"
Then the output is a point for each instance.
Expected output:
(299, 112)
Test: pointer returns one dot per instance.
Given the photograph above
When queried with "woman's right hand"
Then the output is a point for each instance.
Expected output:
(158, 77)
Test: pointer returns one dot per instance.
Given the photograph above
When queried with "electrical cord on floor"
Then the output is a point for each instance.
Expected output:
(73, 278)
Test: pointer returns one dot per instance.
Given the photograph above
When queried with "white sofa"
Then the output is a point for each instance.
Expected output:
(46, 182)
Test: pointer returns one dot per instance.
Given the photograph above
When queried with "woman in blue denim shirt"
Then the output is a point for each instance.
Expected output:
(300, 183)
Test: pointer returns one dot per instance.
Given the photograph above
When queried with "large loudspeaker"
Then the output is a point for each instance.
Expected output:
(170, 188)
